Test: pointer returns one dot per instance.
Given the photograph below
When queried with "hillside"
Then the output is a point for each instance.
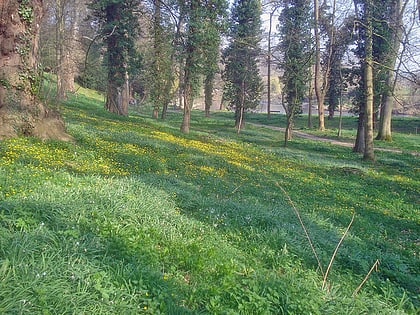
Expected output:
(136, 218)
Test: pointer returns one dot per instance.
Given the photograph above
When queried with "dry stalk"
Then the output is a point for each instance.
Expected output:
(303, 227)
(375, 266)
(335, 252)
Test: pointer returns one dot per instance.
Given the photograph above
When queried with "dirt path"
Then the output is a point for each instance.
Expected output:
(332, 141)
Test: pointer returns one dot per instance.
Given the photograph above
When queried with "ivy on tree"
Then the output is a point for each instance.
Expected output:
(118, 27)
(295, 43)
(243, 84)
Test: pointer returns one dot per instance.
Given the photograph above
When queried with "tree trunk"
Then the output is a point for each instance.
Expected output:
(208, 93)
(118, 90)
(269, 65)
(189, 71)
(117, 97)
(186, 118)
(21, 113)
(359, 145)
(384, 130)
(288, 130)
(310, 98)
(59, 47)
(318, 86)
(369, 152)
(239, 111)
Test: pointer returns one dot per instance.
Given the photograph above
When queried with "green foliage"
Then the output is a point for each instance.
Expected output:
(26, 11)
(94, 73)
(160, 78)
(297, 57)
(118, 26)
(138, 218)
(243, 84)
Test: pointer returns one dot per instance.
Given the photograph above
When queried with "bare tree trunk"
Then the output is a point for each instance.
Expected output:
(269, 65)
(384, 130)
(340, 104)
(157, 47)
(321, 79)
(240, 111)
(59, 47)
(318, 85)
(369, 152)
(310, 99)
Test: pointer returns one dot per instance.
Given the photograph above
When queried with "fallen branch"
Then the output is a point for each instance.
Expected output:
(335, 251)
(303, 227)
(375, 266)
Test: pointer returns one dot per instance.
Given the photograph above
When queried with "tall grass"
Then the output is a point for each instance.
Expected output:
(137, 218)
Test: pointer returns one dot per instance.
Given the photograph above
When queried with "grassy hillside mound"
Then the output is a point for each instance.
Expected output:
(136, 218)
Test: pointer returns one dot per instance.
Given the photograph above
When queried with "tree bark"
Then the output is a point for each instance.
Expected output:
(239, 112)
(189, 72)
(318, 86)
(21, 113)
(269, 64)
(117, 97)
(208, 93)
(384, 129)
(186, 118)
(369, 152)
(310, 98)
(118, 91)
(359, 145)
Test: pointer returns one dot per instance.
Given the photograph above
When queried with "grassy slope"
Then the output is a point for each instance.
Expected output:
(136, 217)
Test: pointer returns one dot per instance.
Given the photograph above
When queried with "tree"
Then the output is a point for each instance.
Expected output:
(243, 84)
(320, 88)
(365, 91)
(273, 6)
(119, 27)
(192, 62)
(368, 152)
(211, 55)
(162, 60)
(295, 42)
(342, 40)
(21, 112)
(393, 28)
(198, 15)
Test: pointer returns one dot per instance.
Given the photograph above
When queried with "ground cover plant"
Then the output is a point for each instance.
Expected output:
(136, 218)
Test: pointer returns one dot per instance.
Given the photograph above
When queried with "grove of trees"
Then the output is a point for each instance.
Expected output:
(168, 52)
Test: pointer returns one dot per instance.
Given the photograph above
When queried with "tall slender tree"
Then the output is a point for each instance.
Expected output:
(243, 83)
(393, 30)
(162, 62)
(295, 42)
(215, 25)
(197, 43)
(368, 152)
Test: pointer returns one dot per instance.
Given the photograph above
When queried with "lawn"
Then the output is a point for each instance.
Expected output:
(135, 217)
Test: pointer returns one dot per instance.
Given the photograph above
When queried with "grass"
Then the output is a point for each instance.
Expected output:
(137, 218)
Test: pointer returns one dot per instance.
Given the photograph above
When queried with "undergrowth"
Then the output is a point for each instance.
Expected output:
(137, 218)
